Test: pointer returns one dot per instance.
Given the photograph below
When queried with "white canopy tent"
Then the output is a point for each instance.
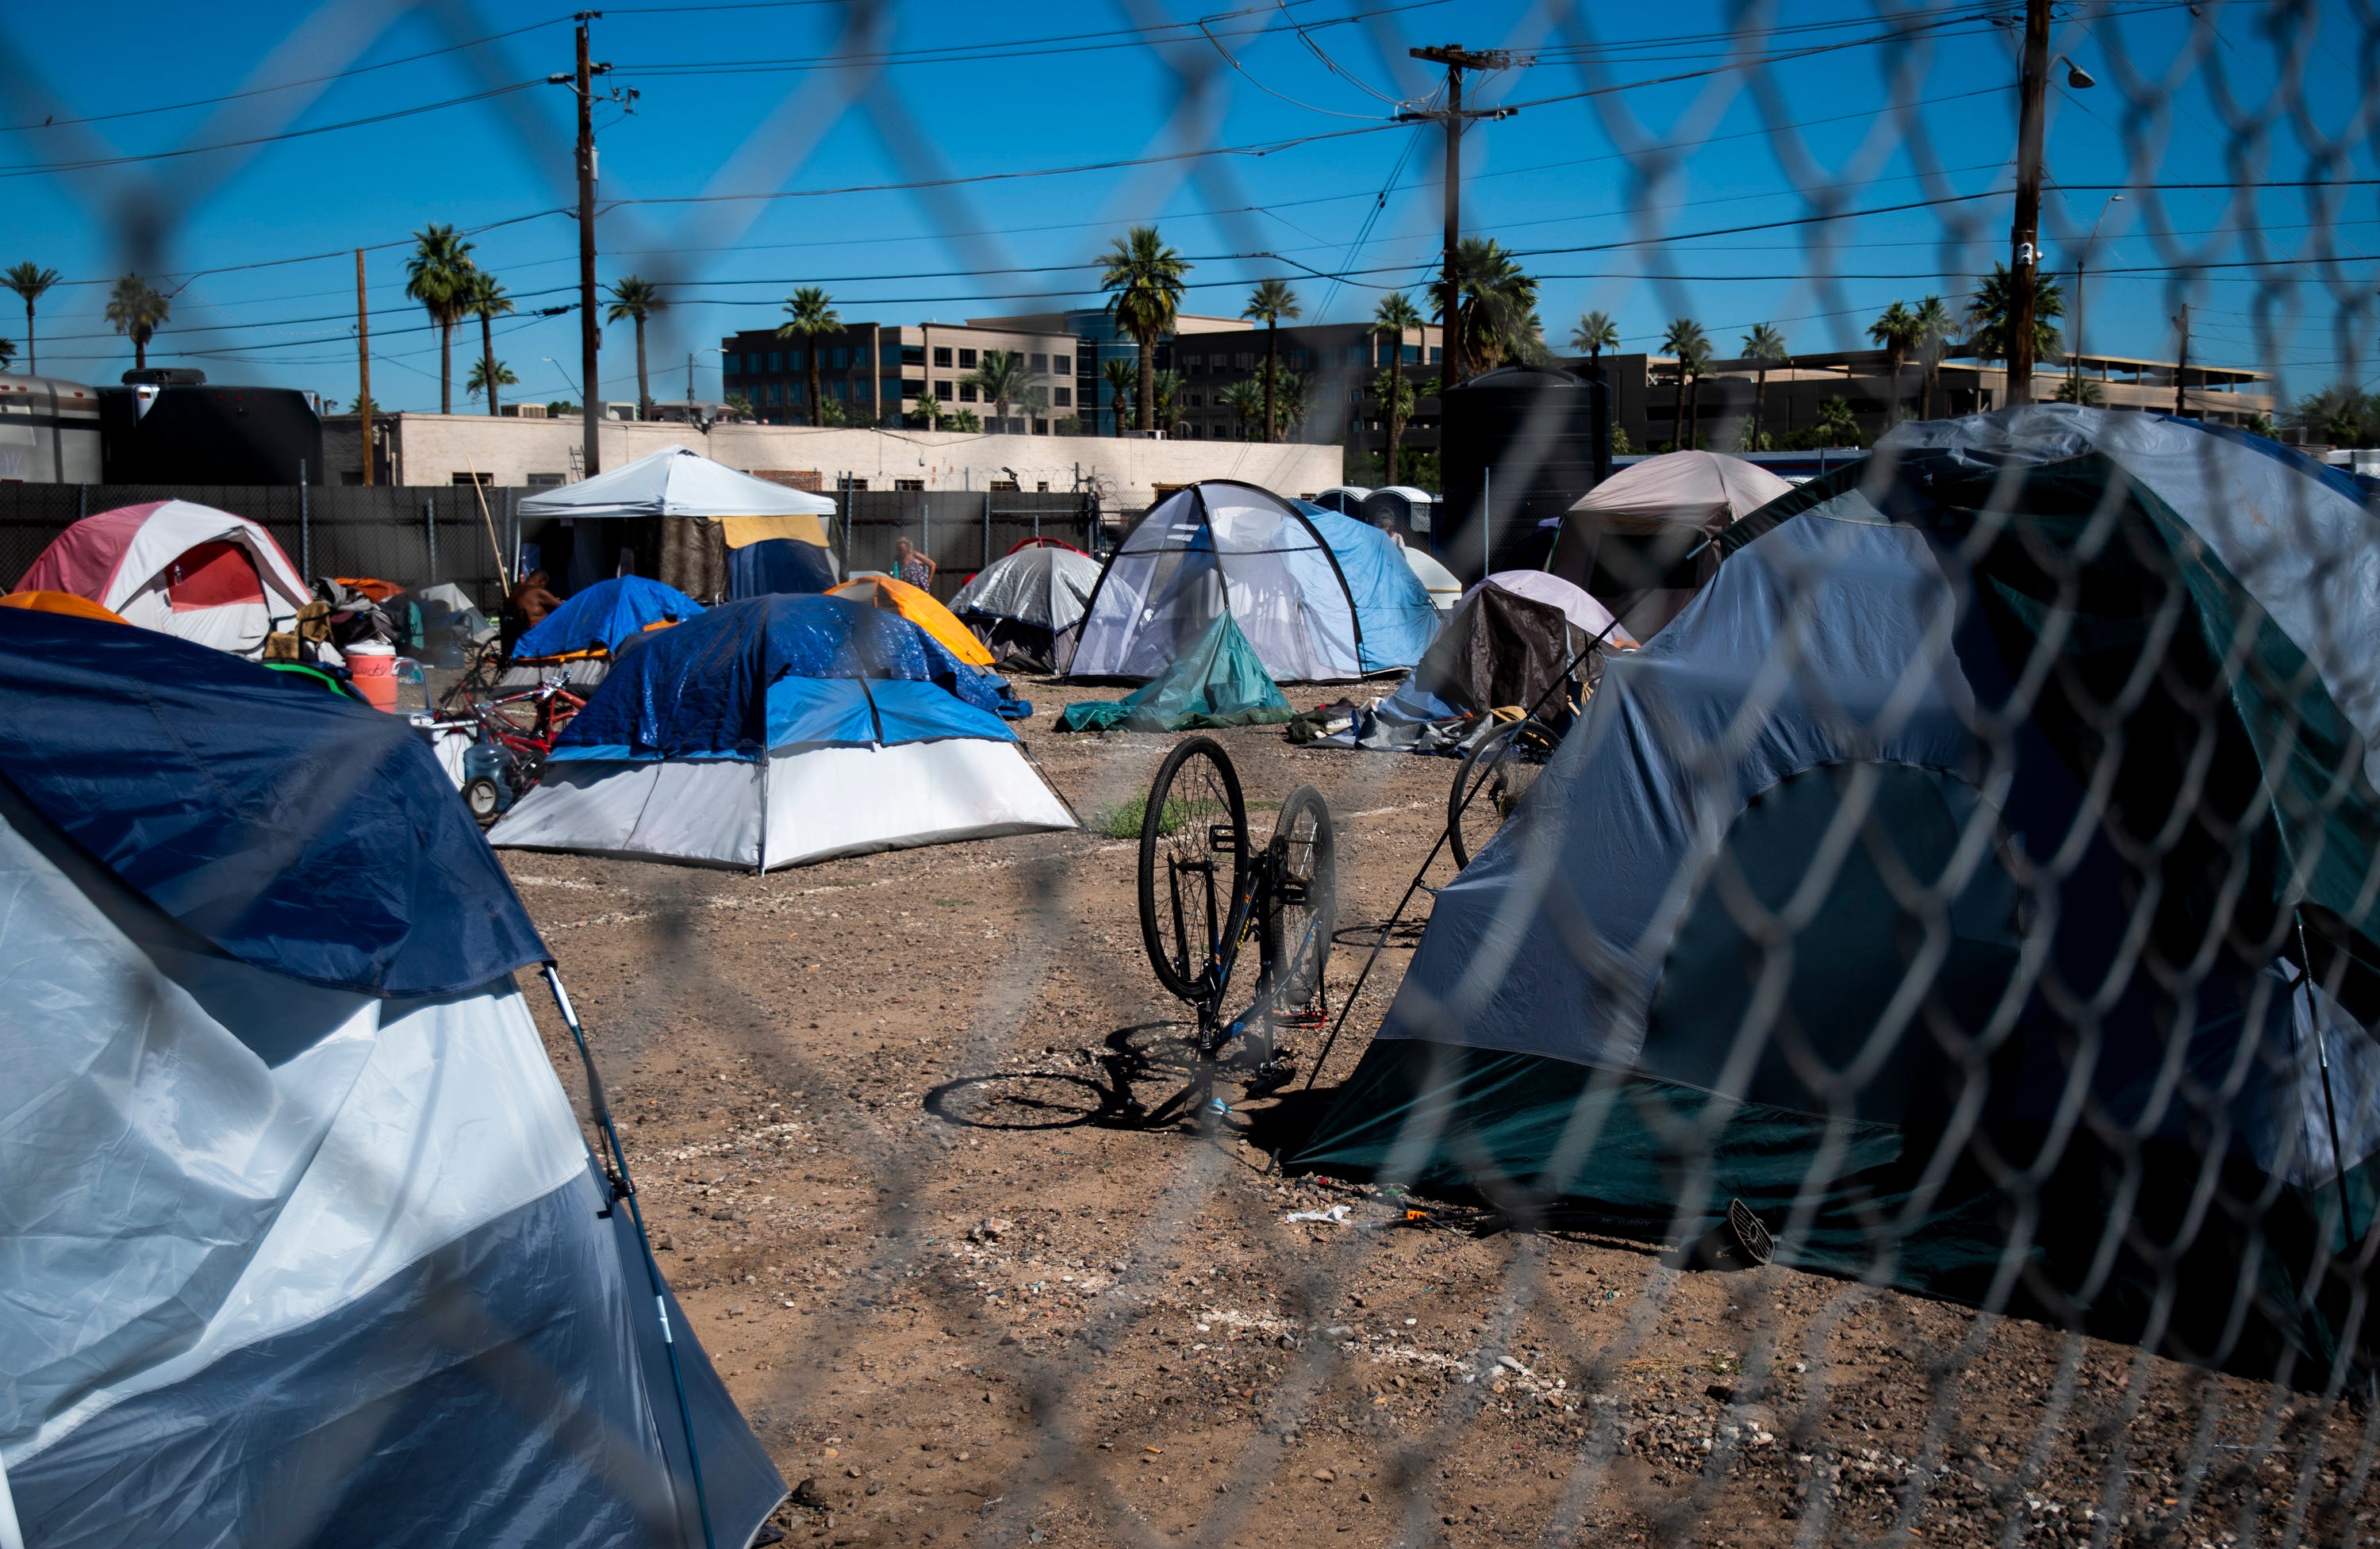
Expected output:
(682, 483)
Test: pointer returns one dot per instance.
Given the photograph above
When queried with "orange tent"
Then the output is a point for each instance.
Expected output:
(60, 602)
(920, 609)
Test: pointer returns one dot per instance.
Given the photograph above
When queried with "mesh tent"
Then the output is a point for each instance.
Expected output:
(305, 1242)
(1819, 908)
(1214, 547)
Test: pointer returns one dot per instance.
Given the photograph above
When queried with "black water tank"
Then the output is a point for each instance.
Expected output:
(1518, 445)
(173, 431)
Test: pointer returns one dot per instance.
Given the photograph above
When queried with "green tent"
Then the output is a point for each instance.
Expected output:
(1944, 883)
(1218, 681)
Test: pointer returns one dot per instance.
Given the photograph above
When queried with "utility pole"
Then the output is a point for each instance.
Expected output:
(1457, 59)
(363, 368)
(2024, 236)
(2181, 361)
(589, 339)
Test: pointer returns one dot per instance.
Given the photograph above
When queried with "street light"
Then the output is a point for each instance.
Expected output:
(566, 377)
(2076, 76)
(2081, 263)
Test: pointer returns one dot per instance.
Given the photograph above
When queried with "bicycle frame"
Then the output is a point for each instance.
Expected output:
(1250, 915)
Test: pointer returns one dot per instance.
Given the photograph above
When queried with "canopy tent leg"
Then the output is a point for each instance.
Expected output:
(624, 1189)
(2322, 1060)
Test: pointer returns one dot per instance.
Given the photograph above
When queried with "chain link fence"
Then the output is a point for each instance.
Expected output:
(1971, 905)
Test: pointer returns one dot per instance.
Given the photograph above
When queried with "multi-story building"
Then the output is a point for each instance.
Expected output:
(1644, 393)
(883, 373)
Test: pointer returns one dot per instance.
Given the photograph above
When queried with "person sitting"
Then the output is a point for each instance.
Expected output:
(530, 600)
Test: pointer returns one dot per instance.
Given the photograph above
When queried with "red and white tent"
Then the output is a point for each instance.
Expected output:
(177, 568)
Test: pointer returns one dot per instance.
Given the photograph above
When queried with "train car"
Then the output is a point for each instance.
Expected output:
(49, 431)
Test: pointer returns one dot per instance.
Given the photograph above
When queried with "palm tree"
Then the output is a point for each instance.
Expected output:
(1395, 315)
(812, 317)
(1836, 423)
(29, 279)
(439, 277)
(1934, 328)
(1289, 399)
(489, 301)
(1695, 364)
(1497, 308)
(488, 374)
(964, 419)
(1002, 379)
(1684, 338)
(1120, 376)
(1168, 385)
(1765, 346)
(1896, 328)
(1269, 303)
(1245, 400)
(1396, 399)
(2079, 390)
(136, 312)
(1594, 333)
(7, 353)
(1145, 275)
(638, 298)
(1995, 303)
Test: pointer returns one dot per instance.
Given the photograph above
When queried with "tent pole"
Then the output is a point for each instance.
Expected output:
(624, 1188)
(2322, 1058)
(1487, 520)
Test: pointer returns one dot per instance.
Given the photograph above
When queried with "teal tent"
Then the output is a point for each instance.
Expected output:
(1978, 881)
(1218, 681)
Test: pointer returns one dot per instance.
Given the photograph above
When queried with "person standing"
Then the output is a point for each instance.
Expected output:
(910, 565)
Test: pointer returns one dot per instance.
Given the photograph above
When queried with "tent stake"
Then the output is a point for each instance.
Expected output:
(625, 1189)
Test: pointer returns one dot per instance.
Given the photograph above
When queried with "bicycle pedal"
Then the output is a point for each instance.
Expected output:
(1217, 1105)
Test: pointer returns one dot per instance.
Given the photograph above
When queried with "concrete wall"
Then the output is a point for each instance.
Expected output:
(1126, 472)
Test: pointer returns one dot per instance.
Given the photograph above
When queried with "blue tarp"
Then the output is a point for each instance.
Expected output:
(298, 832)
(777, 565)
(604, 614)
(1393, 609)
(711, 688)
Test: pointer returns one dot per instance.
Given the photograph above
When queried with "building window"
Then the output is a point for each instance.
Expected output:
(1198, 400)
(1062, 397)
(966, 389)
(773, 364)
(538, 480)
(483, 480)
(1037, 363)
(842, 390)
(1246, 360)
(1003, 484)
(942, 391)
(1042, 485)
(795, 393)
(731, 363)
(769, 393)
(856, 484)
(1411, 354)
(1296, 358)
(1193, 365)
(911, 354)
(911, 387)
(795, 360)
(1062, 363)
(1040, 427)
(942, 356)
(966, 362)
(1435, 354)
(909, 484)
(840, 357)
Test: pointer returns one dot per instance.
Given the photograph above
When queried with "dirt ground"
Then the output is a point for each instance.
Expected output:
(883, 1116)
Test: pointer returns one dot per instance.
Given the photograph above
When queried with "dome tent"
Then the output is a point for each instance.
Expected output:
(921, 608)
(1214, 547)
(1394, 615)
(317, 1231)
(177, 568)
(589, 629)
(1218, 681)
(1636, 541)
(1026, 605)
(780, 731)
(1849, 734)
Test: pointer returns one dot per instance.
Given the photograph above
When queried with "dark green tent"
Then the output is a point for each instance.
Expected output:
(1218, 681)
(1934, 884)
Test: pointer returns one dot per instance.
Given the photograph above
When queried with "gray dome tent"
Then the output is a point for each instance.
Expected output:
(1942, 883)
(1026, 605)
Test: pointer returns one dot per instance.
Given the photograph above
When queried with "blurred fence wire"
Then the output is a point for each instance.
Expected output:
(2007, 935)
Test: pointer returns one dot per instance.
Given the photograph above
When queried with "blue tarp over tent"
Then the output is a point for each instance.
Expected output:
(1399, 620)
(743, 679)
(301, 832)
(319, 1242)
(604, 614)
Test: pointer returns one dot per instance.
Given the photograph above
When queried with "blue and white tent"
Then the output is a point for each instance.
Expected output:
(1398, 616)
(303, 1242)
(781, 729)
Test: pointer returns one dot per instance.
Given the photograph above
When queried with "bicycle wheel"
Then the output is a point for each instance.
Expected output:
(1306, 910)
(1194, 850)
(1494, 777)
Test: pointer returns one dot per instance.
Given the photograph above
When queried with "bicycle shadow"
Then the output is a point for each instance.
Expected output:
(1144, 1077)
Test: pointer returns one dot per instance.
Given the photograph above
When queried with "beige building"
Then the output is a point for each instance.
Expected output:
(1125, 473)
(884, 373)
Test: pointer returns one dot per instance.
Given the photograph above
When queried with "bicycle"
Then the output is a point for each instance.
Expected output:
(523, 746)
(1205, 892)
(1496, 773)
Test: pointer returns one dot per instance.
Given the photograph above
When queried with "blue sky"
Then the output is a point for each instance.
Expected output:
(1632, 124)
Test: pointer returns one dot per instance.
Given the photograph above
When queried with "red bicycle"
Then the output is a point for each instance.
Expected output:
(517, 732)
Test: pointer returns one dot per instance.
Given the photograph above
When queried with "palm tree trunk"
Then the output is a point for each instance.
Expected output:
(644, 394)
(488, 357)
(1925, 392)
(1678, 413)
(818, 397)
(445, 366)
(1272, 370)
(140, 353)
(1892, 364)
(32, 356)
(1396, 438)
(1144, 406)
(1759, 405)
(1694, 414)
